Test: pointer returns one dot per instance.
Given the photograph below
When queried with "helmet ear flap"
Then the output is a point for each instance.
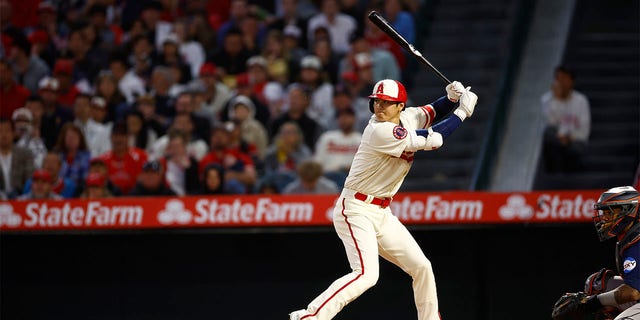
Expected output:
(371, 105)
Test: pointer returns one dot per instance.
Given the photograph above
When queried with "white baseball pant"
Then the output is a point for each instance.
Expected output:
(367, 230)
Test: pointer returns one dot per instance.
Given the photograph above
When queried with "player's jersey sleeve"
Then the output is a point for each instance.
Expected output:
(388, 138)
(423, 115)
(630, 269)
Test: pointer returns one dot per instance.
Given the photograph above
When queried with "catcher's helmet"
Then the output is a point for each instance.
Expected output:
(390, 90)
(616, 209)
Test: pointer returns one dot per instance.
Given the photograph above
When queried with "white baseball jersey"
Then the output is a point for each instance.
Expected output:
(335, 150)
(381, 162)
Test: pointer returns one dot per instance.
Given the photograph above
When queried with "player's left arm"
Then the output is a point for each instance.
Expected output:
(435, 135)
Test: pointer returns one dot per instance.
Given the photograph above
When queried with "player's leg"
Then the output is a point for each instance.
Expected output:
(359, 238)
(399, 247)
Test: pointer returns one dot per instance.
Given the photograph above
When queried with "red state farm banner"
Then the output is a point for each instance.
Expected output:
(452, 208)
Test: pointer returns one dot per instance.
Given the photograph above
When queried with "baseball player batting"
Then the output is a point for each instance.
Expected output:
(362, 217)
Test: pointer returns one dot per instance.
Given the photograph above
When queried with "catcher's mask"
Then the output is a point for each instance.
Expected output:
(390, 90)
(616, 209)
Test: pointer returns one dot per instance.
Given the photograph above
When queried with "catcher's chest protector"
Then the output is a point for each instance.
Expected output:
(632, 236)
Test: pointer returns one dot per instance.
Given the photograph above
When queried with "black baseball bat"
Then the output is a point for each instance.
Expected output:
(384, 25)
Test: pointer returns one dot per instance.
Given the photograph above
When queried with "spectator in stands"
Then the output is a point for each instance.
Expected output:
(238, 11)
(287, 150)
(156, 29)
(41, 188)
(186, 104)
(99, 113)
(567, 124)
(295, 50)
(290, 16)
(384, 64)
(244, 87)
(321, 91)
(190, 48)
(377, 39)
(299, 99)
(123, 162)
(14, 95)
(151, 181)
(54, 116)
(161, 83)
(239, 167)
(196, 147)
(146, 104)
(110, 34)
(275, 55)
(181, 168)
(27, 67)
(253, 33)
(363, 80)
(140, 134)
(242, 111)
(336, 148)
(213, 180)
(130, 85)
(72, 148)
(16, 163)
(143, 57)
(95, 187)
(107, 89)
(98, 165)
(259, 77)
(339, 25)
(170, 56)
(87, 57)
(67, 90)
(231, 58)
(65, 187)
(96, 134)
(330, 61)
(215, 96)
(27, 135)
(311, 181)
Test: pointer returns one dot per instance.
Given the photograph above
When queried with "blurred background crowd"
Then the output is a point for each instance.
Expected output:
(179, 97)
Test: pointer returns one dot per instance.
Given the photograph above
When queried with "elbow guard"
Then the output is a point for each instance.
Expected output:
(428, 140)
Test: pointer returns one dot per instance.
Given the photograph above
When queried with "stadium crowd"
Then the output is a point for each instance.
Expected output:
(182, 97)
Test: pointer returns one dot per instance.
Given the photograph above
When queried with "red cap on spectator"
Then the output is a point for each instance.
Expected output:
(41, 174)
(63, 66)
(208, 69)
(242, 79)
(39, 36)
(95, 179)
(350, 76)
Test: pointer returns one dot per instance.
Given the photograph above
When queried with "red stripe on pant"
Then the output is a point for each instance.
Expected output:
(354, 279)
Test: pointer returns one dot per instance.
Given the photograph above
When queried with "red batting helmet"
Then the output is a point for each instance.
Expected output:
(390, 90)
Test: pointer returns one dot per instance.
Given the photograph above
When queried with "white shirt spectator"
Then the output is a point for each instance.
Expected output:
(572, 116)
(131, 86)
(195, 148)
(340, 29)
(335, 150)
(98, 136)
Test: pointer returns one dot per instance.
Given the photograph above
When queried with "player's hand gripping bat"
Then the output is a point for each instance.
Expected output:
(384, 25)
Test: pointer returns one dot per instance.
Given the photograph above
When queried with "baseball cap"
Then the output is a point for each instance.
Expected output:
(63, 66)
(41, 174)
(49, 83)
(311, 62)
(292, 31)
(257, 61)
(207, 69)
(22, 114)
(153, 165)
(98, 102)
(362, 60)
(95, 179)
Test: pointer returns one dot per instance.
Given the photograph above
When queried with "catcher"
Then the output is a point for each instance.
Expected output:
(606, 295)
